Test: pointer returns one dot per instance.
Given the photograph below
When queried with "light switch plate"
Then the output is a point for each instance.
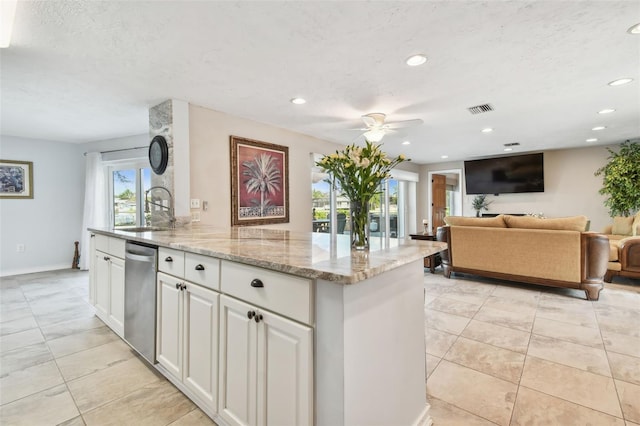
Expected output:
(195, 203)
(195, 216)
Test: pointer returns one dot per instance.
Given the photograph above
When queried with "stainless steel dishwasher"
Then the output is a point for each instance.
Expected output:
(140, 298)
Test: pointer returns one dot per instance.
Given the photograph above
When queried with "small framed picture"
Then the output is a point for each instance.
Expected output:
(259, 182)
(16, 179)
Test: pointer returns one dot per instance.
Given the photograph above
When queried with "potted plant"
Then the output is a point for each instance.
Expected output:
(621, 180)
(479, 203)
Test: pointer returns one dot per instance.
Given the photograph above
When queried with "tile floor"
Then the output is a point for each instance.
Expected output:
(497, 353)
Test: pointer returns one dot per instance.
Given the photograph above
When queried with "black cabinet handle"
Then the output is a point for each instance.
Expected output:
(251, 314)
(199, 267)
(257, 283)
(183, 286)
(169, 259)
(178, 286)
(258, 318)
(107, 258)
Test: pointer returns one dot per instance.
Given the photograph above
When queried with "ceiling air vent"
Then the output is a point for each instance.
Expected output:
(512, 144)
(479, 109)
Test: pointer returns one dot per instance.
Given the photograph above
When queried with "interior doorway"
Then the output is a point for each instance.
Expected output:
(444, 195)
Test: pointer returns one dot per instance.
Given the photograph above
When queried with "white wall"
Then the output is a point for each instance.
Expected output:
(49, 223)
(570, 188)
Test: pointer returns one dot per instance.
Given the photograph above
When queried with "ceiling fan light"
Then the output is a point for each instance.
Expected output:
(635, 29)
(415, 60)
(374, 135)
(298, 101)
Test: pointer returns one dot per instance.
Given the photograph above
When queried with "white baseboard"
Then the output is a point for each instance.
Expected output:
(11, 272)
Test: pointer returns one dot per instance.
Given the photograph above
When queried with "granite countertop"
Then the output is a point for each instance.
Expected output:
(306, 254)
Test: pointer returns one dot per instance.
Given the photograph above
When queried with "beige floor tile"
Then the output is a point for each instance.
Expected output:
(455, 307)
(157, 403)
(585, 317)
(477, 299)
(194, 418)
(443, 414)
(497, 335)
(518, 321)
(66, 328)
(110, 384)
(49, 407)
(438, 342)
(429, 297)
(431, 363)
(614, 326)
(497, 362)
(21, 358)
(489, 397)
(586, 336)
(628, 423)
(443, 321)
(619, 298)
(630, 400)
(17, 325)
(91, 360)
(21, 383)
(622, 314)
(81, 341)
(511, 305)
(20, 340)
(10, 296)
(523, 292)
(570, 354)
(625, 367)
(571, 384)
(14, 311)
(76, 421)
(536, 408)
(621, 343)
(555, 300)
(67, 313)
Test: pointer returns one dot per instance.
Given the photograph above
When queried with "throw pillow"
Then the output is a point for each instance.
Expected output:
(622, 225)
(574, 223)
(487, 222)
(636, 225)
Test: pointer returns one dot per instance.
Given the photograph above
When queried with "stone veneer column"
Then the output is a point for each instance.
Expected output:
(170, 120)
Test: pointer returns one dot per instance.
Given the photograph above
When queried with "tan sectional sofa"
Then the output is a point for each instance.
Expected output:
(624, 253)
(550, 252)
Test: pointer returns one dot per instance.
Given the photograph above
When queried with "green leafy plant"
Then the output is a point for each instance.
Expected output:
(480, 202)
(621, 180)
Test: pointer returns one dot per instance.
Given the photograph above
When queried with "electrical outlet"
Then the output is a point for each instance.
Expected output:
(195, 216)
(205, 205)
(20, 248)
(195, 203)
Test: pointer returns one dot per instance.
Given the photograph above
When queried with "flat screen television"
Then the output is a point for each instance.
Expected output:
(505, 175)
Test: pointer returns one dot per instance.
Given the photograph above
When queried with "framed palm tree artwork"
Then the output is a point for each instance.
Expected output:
(259, 182)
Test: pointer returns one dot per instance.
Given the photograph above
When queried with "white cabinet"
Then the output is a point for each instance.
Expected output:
(108, 261)
(266, 367)
(187, 336)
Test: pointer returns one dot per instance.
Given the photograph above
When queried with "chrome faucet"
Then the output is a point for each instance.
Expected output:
(172, 217)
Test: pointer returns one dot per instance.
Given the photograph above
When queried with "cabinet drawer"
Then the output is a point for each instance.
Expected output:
(284, 294)
(110, 245)
(171, 261)
(203, 270)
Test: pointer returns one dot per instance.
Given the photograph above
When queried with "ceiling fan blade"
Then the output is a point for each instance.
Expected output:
(374, 119)
(404, 123)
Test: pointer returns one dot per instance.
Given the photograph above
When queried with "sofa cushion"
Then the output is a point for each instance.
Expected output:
(635, 228)
(574, 223)
(486, 222)
(613, 250)
(622, 225)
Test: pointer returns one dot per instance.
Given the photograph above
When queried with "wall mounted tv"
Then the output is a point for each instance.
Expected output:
(505, 175)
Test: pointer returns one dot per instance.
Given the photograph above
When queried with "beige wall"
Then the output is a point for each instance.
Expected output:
(570, 188)
(210, 165)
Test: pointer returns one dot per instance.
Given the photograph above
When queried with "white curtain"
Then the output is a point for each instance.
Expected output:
(95, 208)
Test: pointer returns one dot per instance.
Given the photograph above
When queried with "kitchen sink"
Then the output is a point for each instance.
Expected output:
(144, 229)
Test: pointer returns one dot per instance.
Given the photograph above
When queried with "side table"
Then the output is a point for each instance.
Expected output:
(430, 261)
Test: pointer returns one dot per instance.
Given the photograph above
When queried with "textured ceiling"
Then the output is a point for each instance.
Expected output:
(81, 71)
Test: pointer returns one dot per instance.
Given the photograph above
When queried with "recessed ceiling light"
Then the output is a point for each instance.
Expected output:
(599, 128)
(635, 30)
(592, 140)
(298, 101)
(508, 149)
(620, 81)
(606, 111)
(406, 143)
(415, 60)
(487, 130)
(444, 157)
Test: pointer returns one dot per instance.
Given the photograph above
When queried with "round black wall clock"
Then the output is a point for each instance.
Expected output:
(158, 154)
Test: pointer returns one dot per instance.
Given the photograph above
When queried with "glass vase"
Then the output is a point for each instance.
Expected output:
(359, 215)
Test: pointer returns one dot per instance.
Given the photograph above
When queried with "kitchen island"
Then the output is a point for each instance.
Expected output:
(303, 330)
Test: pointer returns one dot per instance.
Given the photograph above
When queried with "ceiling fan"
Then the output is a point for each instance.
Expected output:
(376, 127)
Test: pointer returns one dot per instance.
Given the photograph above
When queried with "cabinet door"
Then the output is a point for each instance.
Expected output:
(101, 262)
(201, 343)
(169, 327)
(116, 295)
(92, 270)
(237, 390)
(285, 372)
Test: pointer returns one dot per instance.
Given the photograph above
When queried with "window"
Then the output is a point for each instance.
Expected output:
(127, 185)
